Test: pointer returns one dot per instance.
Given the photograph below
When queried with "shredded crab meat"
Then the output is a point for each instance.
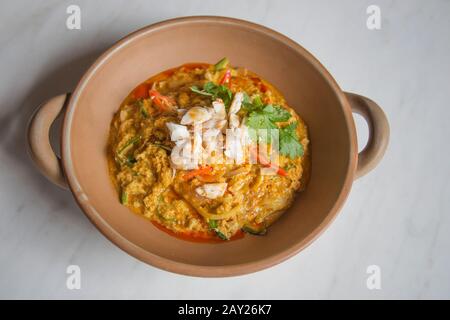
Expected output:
(180, 156)
(219, 109)
(234, 121)
(177, 131)
(212, 190)
(237, 102)
(215, 124)
(196, 115)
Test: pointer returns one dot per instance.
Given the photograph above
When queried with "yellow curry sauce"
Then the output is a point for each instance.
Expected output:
(214, 201)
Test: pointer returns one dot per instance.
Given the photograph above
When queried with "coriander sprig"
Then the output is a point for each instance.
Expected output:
(215, 91)
(266, 116)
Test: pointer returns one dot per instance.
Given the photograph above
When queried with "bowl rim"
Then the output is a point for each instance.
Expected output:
(186, 268)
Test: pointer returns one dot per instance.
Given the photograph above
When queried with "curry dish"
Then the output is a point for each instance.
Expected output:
(185, 150)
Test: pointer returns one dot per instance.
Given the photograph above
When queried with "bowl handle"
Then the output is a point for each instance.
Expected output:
(378, 125)
(38, 137)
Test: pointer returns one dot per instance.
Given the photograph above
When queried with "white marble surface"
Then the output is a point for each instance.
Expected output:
(397, 217)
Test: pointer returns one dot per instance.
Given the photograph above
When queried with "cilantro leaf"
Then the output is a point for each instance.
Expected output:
(246, 101)
(289, 143)
(265, 117)
(197, 90)
(250, 105)
(257, 102)
(260, 120)
(210, 87)
(276, 113)
(225, 94)
(215, 91)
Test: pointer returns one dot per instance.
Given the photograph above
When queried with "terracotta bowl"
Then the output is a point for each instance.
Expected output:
(307, 86)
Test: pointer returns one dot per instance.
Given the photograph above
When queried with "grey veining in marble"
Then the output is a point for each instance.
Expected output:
(397, 217)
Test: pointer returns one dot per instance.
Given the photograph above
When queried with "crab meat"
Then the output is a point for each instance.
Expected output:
(183, 164)
(213, 146)
(244, 120)
(214, 124)
(212, 190)
(237, 102)
(210, 137)
(177, 131)
(197, 143)
(245, 135)
(196, 115)
(234, 145)
(181, 156)
(219, 109)
(234, 120)
(210, 133)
